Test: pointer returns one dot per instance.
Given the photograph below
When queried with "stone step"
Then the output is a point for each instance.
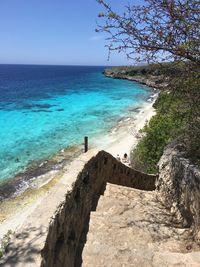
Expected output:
(131, 228)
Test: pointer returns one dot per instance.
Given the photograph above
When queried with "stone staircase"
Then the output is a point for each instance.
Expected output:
(130, 227)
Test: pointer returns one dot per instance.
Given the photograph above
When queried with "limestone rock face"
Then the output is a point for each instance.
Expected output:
(179, 187)
(155, 81)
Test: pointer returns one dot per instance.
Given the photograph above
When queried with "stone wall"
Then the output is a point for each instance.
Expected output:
(68, 229)
(179, 188)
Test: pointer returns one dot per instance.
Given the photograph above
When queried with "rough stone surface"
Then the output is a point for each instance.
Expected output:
(179, 187)
(132, 225)
(67, 232)
(132, 228)
(155, 81)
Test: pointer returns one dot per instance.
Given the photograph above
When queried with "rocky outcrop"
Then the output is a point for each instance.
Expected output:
(67, 231)
(179, 187)
(155, 81)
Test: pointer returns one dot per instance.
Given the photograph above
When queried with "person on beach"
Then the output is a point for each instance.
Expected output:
(125, 159)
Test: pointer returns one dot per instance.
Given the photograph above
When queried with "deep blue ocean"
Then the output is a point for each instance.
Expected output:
(44, 109)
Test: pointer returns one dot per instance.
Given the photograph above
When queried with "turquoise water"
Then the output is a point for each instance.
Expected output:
(46, 108)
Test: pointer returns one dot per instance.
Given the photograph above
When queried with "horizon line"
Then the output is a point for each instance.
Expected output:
(72, 65)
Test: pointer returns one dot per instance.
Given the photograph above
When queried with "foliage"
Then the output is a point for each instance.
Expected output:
(158, 29)
(188, 91)
(161, 130)
(178, 116)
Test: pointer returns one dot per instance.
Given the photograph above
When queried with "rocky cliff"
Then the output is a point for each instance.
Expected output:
(155, 80)
(179, 187)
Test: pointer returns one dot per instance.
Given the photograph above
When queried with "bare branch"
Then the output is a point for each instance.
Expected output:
(167, 27)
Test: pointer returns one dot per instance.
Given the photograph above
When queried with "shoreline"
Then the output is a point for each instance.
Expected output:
(35, 173)
(125, 134)
(121, 139)
(151, 81)
(41, 172)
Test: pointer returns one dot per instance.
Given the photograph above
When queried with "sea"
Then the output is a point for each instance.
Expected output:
(48, 109)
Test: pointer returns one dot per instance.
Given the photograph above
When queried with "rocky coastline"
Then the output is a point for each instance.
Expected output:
(157, 81)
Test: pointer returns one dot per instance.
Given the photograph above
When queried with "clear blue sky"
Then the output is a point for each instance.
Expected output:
(53, 32)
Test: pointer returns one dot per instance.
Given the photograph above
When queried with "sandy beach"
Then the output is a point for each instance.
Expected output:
(37, 207)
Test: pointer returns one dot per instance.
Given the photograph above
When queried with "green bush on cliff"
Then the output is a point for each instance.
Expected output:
(178, 116)
(160, 131)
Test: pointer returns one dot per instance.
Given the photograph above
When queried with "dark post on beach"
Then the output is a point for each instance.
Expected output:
(86, 143)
